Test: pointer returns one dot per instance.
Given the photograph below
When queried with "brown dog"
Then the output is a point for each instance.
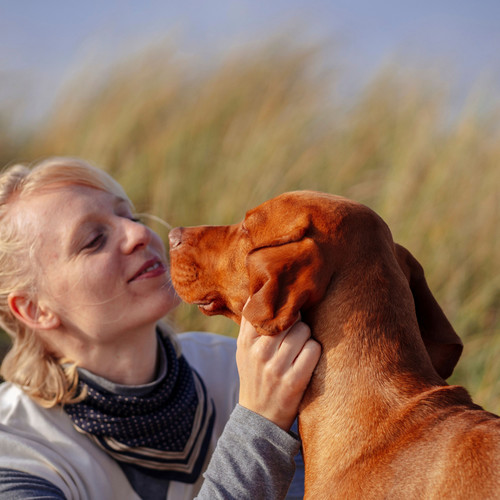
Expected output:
(378, 420)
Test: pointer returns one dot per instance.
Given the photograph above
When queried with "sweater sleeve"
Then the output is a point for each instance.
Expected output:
(17, 485)
(254, 459)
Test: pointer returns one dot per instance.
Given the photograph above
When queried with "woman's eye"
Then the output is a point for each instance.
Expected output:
(95, 243)
(131, 217)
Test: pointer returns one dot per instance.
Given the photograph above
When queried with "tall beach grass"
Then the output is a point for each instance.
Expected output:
(201, 144)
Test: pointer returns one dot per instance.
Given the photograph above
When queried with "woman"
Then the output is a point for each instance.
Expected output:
(101, 400)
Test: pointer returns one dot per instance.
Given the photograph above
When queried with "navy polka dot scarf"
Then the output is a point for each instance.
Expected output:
(163, 428)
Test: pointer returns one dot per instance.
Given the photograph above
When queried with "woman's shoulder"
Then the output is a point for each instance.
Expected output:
(214, 359)
(43, 442)
(208, 351)
(22, 417)
(16, 406)
(207, 340)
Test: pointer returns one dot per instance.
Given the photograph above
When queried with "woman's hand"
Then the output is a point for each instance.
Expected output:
(275, 370)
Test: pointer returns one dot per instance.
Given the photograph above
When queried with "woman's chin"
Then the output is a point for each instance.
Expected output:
(172, 301)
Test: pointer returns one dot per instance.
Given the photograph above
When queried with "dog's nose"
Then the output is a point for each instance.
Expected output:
(175, 237)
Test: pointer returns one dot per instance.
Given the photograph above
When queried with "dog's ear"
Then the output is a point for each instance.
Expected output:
(267, 229)
(442, 343)
(283, 279)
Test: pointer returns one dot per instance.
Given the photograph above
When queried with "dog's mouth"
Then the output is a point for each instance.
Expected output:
(211, 307)
(206, 306)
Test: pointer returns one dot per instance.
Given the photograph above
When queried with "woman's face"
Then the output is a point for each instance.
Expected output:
(101, 272)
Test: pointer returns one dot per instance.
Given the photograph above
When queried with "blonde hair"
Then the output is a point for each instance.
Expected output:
(47, 380)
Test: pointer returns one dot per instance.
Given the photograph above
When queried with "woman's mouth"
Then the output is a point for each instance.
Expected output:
(150, 269)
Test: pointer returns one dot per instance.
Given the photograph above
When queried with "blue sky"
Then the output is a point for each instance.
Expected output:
(42, 41)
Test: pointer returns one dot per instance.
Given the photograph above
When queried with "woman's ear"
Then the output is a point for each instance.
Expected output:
(33, 315)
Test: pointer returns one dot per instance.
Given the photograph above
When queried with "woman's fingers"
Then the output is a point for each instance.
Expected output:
(291, 344)
(306, 362)
(267, 345)
(275, 370)
(248, 334)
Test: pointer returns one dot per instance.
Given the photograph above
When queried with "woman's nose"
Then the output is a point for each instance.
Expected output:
(136, 235)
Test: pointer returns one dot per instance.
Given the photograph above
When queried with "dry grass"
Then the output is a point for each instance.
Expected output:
(201, 146)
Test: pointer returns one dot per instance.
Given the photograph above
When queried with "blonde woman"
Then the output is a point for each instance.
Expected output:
(101, 401)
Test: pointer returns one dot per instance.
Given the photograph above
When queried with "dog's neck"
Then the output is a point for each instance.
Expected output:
(373, 363)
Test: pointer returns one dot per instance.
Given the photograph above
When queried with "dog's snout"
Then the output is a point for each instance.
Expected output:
(175, 237)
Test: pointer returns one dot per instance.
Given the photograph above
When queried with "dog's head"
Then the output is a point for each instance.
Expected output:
(270, 257)
(284, 254)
